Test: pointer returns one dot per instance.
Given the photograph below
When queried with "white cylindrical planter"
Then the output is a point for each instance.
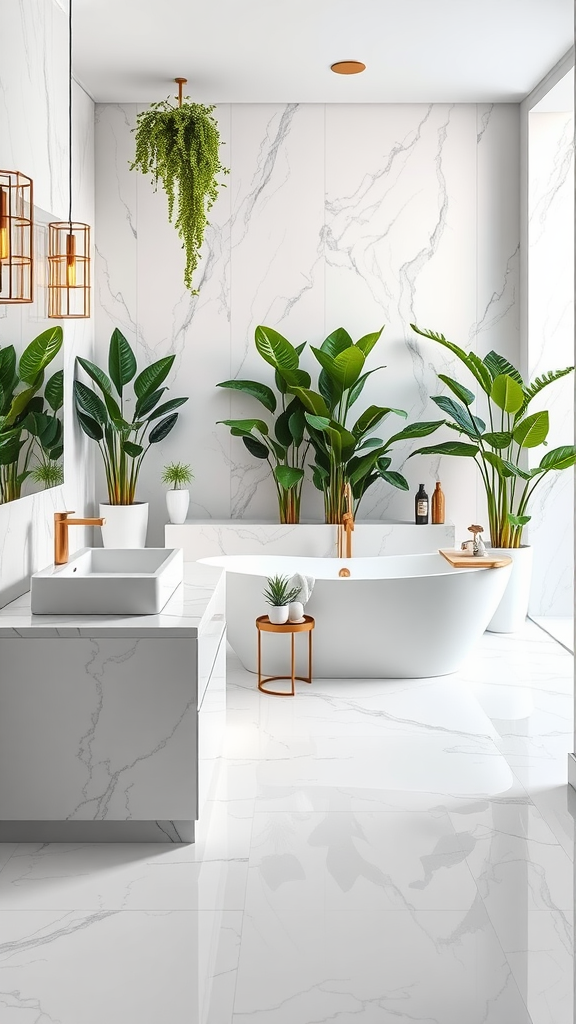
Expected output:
(513, 608)
(125, 526)
(278, 614)
(177, 502)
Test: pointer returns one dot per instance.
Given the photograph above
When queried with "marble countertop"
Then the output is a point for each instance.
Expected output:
(187, 611)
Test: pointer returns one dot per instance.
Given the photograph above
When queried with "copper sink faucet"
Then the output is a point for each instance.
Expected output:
(61, 524)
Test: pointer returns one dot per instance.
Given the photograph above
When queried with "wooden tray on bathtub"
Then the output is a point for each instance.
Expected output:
(460, 560)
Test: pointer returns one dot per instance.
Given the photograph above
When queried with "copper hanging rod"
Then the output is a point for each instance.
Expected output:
(181, 82)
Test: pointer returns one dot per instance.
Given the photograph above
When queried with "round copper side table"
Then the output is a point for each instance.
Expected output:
(263, 625)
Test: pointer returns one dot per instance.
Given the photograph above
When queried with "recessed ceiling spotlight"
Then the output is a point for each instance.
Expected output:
(348, 67)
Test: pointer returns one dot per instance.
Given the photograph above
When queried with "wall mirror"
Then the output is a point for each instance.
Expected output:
(31, 385)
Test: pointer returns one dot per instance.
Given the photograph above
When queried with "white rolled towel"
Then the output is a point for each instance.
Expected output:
(306, 585)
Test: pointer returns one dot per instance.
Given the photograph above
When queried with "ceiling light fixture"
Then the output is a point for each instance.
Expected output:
(69, 241)
(348, 67)
(16, 237)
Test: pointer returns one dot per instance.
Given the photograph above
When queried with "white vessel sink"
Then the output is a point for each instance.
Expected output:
(108, 581)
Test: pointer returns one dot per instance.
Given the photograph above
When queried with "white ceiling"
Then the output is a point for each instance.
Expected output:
(261, 51)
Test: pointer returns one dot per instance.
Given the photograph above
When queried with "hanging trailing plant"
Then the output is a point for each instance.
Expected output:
(180, 147)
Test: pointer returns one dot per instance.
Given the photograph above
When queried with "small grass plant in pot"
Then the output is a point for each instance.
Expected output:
(123, 443)
(501, 449)
(177, 474)
(279, 594)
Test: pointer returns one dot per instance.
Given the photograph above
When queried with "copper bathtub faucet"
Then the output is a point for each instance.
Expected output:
(61, 524)
(346, 527)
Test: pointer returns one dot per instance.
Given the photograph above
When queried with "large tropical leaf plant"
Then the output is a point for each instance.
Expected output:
(283, 444)
(345, 450)
(31, 433)
(123, 443)
(499, 447)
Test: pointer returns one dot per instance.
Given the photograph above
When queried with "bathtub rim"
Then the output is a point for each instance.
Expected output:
(241, 562)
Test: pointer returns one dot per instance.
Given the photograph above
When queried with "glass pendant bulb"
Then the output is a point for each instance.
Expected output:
(71, 260)
(4, 226)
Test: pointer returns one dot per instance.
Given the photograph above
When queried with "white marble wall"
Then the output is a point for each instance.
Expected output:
(352, 215)
(550, 347)
(316, 540)
(34, 139)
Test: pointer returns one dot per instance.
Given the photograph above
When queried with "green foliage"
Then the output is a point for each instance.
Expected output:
(344, 449)
(345, 452)
(177, 474)
(50, 474)
(124, 443)
(31, 432)
(180, 147)
(507, 483)
(278, 592)
(283, 444)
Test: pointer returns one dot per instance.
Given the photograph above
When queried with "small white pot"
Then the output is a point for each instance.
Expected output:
(278, 614)
(125, 526)
(177, 502)
(295, 611)
(511, 613)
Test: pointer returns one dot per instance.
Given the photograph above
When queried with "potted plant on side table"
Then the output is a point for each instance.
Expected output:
(177, 498)
(124, 442)
(500, 450)
(278, 595)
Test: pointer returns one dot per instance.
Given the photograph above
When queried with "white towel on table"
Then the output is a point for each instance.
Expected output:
(306, 585)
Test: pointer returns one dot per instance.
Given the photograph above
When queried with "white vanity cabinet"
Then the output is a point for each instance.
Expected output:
(111, 727)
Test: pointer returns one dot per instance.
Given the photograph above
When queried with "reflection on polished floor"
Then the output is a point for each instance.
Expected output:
(382, 852)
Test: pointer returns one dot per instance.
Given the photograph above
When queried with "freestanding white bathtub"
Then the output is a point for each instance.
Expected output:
(396, 616)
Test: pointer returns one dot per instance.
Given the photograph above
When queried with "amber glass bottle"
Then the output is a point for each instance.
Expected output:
(438, 505)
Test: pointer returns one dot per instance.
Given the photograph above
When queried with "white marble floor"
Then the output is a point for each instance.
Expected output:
(559, 627)
(377, 851)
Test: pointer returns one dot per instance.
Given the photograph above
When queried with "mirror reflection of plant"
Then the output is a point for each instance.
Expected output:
(31, 434)
(46, 429)
(124, 443)
(285, 446)
(499, 451)
(345, 452)
(50, 474)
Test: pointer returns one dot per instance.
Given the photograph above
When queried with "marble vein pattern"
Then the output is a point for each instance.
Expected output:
(345, 214)
(371, 851)
(33, 129)
(210, 538)
(114, 733)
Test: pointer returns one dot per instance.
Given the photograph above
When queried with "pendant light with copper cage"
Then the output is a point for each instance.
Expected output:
(69, 241)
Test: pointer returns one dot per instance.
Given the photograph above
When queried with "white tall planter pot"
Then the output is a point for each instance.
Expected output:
(513, 608)
(177, 502)
(125, 526)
